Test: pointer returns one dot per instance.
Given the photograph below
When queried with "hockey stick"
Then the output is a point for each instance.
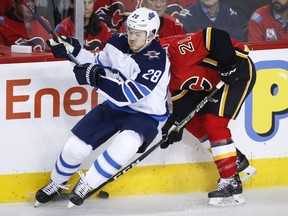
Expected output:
(150, 150)
(48, 30)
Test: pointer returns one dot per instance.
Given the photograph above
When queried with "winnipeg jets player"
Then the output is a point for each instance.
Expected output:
(132, 72)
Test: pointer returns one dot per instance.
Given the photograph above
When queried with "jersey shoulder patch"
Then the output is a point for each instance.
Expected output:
(256, 17)
(2, 19)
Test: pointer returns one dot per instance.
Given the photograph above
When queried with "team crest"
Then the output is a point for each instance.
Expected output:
(112, 15)
(151, 16)
(37, 43)
(152, 54)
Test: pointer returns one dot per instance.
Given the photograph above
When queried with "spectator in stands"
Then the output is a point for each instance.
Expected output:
(96, 32)
(269, 23)
(169, 25)
(5, 5)
(18, 27)
(244, 9)
(211, 13)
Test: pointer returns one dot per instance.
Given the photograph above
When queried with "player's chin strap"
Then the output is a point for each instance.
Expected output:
(145, 154)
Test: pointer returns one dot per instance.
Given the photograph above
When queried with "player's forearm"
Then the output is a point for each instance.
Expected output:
(85, 56)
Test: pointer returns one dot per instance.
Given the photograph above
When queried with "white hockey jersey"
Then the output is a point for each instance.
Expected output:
(134, 82)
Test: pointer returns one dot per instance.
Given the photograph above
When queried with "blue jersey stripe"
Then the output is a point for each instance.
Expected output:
(129, 94)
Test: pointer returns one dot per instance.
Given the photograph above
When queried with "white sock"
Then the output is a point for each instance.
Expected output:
(123, 148)
(74, 152)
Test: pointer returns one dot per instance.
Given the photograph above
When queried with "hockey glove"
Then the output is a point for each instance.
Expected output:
(88, 74)
(174, 136)
(65, 45)
(229, 74)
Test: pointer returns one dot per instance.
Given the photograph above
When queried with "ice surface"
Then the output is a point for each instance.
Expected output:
(259, 202)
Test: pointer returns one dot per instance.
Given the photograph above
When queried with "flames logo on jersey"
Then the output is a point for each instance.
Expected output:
(185, 13)
(37, 43)
(174, 9)
(152, 54)
(197, 83)
(112, 15)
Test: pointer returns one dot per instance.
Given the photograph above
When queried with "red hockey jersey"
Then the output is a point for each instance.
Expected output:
(170, 26)
(193, 65)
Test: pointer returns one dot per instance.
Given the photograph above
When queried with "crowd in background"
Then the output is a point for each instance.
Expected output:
(245, 20)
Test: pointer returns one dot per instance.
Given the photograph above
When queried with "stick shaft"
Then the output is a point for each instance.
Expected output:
(49, 30)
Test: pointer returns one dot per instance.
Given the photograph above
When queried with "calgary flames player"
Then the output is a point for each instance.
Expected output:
(198, 62)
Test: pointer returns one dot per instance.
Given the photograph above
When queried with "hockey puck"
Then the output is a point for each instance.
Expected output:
(103, 195)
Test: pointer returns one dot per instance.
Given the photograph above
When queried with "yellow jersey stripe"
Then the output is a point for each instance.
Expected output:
(245, 91)
(180, 95)
(226, 155)
(208, 38)
(223, 100)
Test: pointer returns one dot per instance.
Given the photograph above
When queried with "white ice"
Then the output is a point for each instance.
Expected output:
(259, 202)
